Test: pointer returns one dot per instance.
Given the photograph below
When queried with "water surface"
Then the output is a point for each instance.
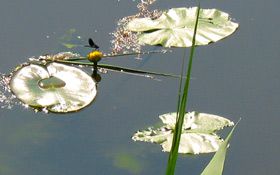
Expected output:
(237, 77)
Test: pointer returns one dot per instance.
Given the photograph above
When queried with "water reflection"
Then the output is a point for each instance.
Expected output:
(22, 141)
(127, 159)
(128, 162)
(96, 76)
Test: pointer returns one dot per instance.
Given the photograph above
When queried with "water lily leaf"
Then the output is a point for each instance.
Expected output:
(197, 122)
(158, 135)
(198, 134)
(194, 143)
(55, 87)
(175, 27)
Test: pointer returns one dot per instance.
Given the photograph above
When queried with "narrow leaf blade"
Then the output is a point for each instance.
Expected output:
(216, 165)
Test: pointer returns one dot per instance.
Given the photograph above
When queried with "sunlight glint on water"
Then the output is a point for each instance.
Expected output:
(7, 99)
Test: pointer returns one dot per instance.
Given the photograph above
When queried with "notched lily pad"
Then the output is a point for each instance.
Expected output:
(198, 134)
(55, 87)
(175, 27)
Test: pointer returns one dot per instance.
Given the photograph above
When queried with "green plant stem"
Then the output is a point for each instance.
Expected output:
(134, 53)
(77, 59)
(117, 68)
(118, 55)
(180, 83)
(95, 68)
(173, 155)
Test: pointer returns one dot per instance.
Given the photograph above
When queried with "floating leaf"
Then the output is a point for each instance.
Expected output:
(175, 27)
(197, 122)
(198, 134)
(56, 87)
(194, 143)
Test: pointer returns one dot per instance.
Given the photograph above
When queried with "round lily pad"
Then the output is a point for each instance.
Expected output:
(56, 87)
(175, 27)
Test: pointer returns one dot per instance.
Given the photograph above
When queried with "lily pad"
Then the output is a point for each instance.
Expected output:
(175, 27)
(197, 122)
(56, 87)
(198, 134)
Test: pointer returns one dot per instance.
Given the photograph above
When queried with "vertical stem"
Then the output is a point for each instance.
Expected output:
(180, 83)
(95, 68)
(179, 124)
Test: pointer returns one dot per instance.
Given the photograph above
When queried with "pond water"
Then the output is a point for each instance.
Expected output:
(236, 77)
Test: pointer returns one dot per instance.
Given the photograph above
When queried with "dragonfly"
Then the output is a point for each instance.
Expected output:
(92, 44)
(95, 56)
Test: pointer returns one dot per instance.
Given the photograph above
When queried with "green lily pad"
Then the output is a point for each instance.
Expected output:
(197, 122)
(175, 27)
(56, 87)
(198, 134)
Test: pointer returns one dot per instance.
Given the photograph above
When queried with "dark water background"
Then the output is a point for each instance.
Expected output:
(237, 77)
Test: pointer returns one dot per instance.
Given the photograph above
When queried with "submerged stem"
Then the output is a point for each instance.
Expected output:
(95, 68)
(181, 82)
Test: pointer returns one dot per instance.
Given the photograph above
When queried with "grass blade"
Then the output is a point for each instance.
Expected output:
(134, 53)
(216, 165)
(173, 155)
(136, 71)
(120, 55)
(181, 82)
(117, 68)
